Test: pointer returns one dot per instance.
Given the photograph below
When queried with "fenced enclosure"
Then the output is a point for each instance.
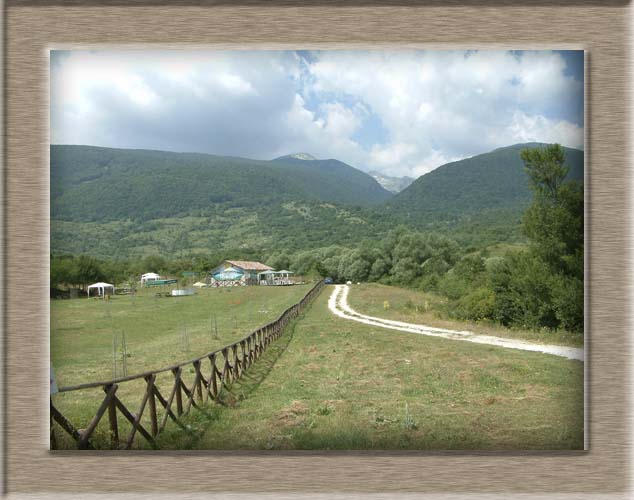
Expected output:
(166, 394)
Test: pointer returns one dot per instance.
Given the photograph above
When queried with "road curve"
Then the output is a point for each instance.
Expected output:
(338, 304)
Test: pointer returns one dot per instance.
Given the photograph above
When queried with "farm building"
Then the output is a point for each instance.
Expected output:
(237, 272)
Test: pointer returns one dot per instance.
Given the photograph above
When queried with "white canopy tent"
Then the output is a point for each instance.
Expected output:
(101, 288)
(149, 277)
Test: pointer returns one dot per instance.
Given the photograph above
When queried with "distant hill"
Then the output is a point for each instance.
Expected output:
(485, 183)
(350, 185)
(392, 184)
(105, 184)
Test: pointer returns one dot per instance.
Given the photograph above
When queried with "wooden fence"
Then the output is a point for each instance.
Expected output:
(213, 371)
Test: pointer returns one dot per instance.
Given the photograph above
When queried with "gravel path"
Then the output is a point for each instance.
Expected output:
(338, 304)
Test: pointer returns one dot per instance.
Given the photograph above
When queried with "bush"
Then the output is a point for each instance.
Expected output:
(523, 292)
(453, 286)
(476, 305)
(567, 296)
(405, 271)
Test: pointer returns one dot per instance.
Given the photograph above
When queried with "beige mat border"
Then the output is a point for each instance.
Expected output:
(32, 28)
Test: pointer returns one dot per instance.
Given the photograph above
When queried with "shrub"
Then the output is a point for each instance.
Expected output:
(476, 305)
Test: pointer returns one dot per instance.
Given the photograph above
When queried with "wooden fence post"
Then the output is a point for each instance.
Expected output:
(179, 394)
(199, 380)
(245, 361)
(112, 420)
(52, 435)
(214, 370)
(85, 436)
(236, 362)
(152, 404)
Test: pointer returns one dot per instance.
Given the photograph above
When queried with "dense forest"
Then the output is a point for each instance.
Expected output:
(93, 184)
(518, 262)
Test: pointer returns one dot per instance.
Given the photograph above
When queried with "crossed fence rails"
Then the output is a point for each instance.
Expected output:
(224, 366)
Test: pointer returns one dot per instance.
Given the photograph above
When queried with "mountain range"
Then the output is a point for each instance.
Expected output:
(120, 202)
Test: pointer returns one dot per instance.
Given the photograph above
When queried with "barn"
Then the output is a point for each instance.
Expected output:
(237, 272)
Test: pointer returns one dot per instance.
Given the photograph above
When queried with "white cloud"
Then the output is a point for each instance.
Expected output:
(432, 107)
(235, 84)
(537, 128)
(437, 106)
(393, 154)
(340, 121)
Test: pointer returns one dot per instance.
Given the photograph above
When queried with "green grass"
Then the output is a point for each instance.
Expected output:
(82, 332)
(418, 307)
(330, 383)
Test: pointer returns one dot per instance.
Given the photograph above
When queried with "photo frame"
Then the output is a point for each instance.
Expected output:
(33, 27)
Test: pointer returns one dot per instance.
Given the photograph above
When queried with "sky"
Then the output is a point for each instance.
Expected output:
(397, 113)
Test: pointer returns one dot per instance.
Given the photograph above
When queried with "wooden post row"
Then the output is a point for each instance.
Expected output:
(252, 348)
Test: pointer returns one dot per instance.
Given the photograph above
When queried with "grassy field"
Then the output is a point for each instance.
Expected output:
(414, 306)
(159, 332)
(329, 383)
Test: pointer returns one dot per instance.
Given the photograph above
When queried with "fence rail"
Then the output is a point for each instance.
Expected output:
(212, 372)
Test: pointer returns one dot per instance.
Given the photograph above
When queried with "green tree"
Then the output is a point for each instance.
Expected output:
(546, 170)
(61, 271)
(353, 266)
(87, 270)
(554, 225)
(154, 264)
(554, 221)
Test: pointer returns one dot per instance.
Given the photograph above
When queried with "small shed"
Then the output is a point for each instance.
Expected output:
(101, 288)
(149, 277)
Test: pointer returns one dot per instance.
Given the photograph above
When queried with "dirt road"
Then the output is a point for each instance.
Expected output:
(338, 304)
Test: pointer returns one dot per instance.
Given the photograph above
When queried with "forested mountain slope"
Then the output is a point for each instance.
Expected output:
(494, 182)
(346, 184)
(104, 184)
